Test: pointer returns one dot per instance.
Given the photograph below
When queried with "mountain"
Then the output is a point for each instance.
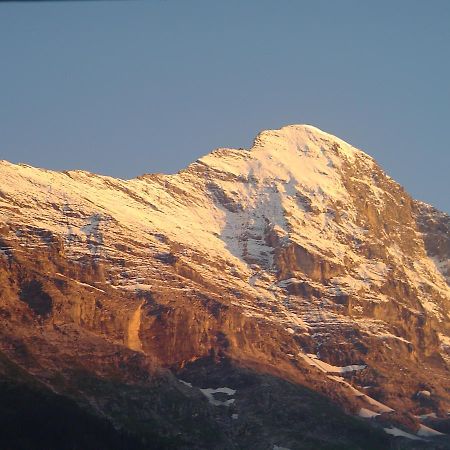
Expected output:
(291, 295)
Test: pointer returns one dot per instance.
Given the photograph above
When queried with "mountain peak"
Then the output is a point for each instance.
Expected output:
(286, 153)
(302, 136)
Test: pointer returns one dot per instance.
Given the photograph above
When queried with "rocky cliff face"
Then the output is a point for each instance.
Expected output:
(296, 272)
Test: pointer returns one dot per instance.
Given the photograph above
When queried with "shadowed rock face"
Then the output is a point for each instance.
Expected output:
(435, 227)
(297, 265)
(35, 297)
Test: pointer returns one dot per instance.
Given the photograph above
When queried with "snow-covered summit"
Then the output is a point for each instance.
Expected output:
(278, 152)
(300, 136)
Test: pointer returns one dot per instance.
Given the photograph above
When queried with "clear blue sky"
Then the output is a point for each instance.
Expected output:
(128, 87)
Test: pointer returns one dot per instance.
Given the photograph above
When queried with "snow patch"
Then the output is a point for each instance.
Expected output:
(431, 415)
(79, 282)
(381, 407)
(209, 394)
(313, 360)
(425, 431)
(400, 433)
(367, 413)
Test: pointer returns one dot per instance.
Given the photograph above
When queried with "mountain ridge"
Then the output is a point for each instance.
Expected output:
(297, 259)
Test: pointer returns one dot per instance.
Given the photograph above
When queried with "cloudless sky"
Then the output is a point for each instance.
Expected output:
(127, 87)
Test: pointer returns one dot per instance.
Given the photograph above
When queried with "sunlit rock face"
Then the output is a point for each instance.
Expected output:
(297, 263)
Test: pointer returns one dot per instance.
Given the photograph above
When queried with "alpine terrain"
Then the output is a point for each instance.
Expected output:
(287, 296)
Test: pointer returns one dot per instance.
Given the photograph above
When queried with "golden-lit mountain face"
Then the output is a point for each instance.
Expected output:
(236, 304)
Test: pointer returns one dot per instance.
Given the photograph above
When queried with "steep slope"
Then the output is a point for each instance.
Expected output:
(298, 259)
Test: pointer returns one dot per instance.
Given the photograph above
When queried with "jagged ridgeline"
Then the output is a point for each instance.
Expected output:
(291, 295)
